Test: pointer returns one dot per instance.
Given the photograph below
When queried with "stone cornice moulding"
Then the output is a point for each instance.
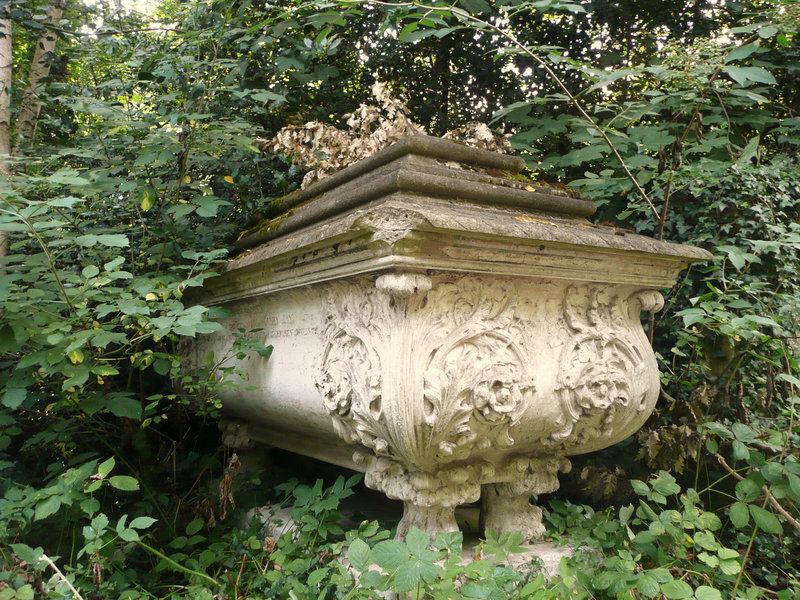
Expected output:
(409, 233)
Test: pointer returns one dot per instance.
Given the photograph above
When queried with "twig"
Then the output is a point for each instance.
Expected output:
(177, 566)
(464, 15)
(61, 576)
(775, 504)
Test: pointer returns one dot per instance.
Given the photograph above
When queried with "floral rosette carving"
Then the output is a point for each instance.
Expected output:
(476, 382)
(608, 376)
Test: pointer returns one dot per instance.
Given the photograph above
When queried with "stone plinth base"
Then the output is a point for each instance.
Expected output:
(277, 521)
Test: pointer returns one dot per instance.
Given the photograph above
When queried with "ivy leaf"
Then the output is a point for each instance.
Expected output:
(765, 520)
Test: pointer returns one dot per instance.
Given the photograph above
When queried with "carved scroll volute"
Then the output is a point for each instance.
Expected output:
(608, 382)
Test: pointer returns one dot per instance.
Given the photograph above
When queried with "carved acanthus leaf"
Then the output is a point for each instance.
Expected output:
(606, 367)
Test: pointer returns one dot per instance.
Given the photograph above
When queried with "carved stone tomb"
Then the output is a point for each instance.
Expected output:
(448, 328)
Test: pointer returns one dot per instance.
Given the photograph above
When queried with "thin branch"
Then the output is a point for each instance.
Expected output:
(61, 576)
(775, 504)
(464, 15)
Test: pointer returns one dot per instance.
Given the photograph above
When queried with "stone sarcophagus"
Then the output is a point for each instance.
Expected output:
(451, 330)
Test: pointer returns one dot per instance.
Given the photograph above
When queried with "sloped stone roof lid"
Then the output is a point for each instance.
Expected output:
(420, 164)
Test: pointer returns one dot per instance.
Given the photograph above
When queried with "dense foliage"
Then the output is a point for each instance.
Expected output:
(680, 119)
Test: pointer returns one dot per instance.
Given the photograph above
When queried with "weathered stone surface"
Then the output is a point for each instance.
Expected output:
(448, 347)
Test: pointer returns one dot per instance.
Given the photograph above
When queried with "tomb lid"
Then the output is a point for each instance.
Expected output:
(419, 165)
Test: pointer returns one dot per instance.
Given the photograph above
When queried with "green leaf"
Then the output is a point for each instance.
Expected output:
(114, 240)
(711, 560)
(728, 554)
(707, 593)
(743, 432)
(747, 490)
(765, 520)
(47, 507)
(749, 152)
(124, 406)
(194, 526)
(706, 541)
(647, 586)
(718, 429)
(142, 522)
(767, 32)
(739, 515)
(14, 396)
(475, 6)
(640, 487)
(358, 554)
(124, 483)
(128, 535)
(146, 197)
(676, 590)
(740, 451)
(417, 541)
(742, 75)
(741, 52)
(90, 271)
(318, 575)
(730, 566)
(105, 467)
(24, 593)
(665, 484)
(389, 554)
(407, 576)
(90, 506)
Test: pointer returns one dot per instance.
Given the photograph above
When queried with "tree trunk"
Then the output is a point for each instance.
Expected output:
(40, 69)
(5, 113)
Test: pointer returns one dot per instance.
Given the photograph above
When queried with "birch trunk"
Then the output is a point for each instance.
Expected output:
(40, 69)
(5, 114)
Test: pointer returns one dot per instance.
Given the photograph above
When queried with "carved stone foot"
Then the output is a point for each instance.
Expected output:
(506, 506)
(430, 499)
(507, 511)
(431, 519)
